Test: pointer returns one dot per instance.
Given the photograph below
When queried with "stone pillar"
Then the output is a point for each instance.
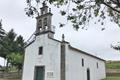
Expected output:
(62, 64)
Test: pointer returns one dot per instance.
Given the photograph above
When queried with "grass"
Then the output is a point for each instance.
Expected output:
(112, 78)
(113, 65)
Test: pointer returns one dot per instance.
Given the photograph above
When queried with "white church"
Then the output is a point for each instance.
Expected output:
(49, 59)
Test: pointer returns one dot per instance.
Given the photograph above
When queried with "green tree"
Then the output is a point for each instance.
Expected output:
(82, 11)
(12, 44)
(2, 31)
(8, 42)
(2, 35)
(15, 60)
(20, 44)
(8, 45)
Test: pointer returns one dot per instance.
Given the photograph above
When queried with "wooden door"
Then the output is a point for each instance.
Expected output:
(39, 73)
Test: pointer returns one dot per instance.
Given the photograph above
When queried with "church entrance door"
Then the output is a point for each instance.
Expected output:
(88, 74)
(39, 73)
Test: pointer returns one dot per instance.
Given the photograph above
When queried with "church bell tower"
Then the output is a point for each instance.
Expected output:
(44, 21)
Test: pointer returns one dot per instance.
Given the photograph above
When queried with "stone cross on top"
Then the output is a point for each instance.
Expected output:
(44, 3)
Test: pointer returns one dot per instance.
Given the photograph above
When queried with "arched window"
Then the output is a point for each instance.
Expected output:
(45, 24)
(82, 62)
(45, 21)
(40, 24)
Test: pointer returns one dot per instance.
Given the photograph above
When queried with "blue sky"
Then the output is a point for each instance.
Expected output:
(93, 40)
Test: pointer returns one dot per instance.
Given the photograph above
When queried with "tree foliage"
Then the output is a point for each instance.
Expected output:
(15, 59)
(8, 44)
(2, 31)
(12, 49)
(82, 11)
(116, 46)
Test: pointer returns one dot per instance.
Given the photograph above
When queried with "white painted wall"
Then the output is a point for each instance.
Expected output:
(75, 71)
(2, 61)
(50, 58)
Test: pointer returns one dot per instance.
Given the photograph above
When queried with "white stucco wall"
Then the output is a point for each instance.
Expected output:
(50, 58)
(75, 71)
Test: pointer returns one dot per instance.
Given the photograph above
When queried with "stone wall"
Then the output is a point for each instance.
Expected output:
(10, 76)
(113, 72)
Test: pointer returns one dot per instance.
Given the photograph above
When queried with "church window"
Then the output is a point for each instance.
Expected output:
(82, 62)
(40, 50)
(97, 65)
(45, 21)
(40, 24)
